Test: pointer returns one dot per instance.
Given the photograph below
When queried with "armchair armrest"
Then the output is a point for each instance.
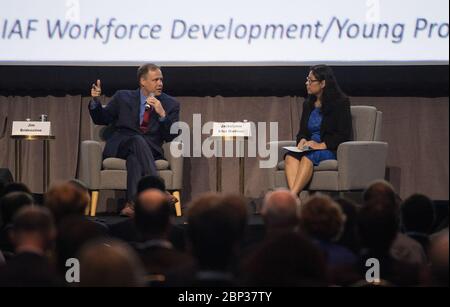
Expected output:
(360, 163)
(175, 163)
(91, 158)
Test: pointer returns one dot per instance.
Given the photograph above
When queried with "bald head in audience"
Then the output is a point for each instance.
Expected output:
(152, 214)
(280, 211)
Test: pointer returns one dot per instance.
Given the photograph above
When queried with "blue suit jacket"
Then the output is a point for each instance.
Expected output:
(122, 114)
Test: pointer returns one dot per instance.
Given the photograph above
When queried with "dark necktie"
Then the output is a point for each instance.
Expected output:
(146, 120)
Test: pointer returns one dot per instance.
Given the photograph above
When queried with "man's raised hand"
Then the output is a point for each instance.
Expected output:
(96, 89)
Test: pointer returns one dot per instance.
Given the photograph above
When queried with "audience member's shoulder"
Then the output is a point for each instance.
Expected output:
(28, 269)
(439, 234)
(408, 250)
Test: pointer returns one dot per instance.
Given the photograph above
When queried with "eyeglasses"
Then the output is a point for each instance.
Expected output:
(309, 81)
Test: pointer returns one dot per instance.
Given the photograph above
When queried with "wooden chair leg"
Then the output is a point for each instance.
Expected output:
(87, 211)
(94, 201)
(176, 194)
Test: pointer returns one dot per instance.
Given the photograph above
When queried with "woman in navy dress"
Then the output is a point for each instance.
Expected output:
(325, 123)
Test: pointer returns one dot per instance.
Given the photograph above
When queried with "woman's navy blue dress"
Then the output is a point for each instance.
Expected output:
(316, 156)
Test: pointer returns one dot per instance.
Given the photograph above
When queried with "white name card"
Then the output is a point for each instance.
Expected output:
(232, 129)
(31, 128)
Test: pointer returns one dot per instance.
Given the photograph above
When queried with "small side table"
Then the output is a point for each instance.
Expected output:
(242, 149)
(46, 156)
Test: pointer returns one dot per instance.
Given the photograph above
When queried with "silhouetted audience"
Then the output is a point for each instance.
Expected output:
(418, 217)
(10, 204)
(14, 187)
(320, 242)
(68, 202)
(403, 248)
(82, 187)
(110, 263)
(64, 200)
(215, 229)
(153, 220)
(323, 221)
(439, 260)
(33, 233)
(73, 233)
(349, 237)
(378, 224)
(126, 229)
(287, 260)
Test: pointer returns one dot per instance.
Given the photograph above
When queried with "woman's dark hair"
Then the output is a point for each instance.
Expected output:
(332, 93)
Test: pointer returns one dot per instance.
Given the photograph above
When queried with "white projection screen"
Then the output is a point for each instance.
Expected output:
(224, 32)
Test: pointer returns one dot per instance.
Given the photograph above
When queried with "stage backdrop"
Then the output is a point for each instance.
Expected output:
(416, 129)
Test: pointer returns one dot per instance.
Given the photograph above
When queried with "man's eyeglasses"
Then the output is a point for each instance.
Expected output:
(309, 81)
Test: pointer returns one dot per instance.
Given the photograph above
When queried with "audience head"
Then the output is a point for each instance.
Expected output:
(11, 203)
(438, 254)
(65, 200)
(73, 233)
(418, 214)
(152, 213)
(81, 186)
(289, 259)
(215, 229)
(15, 187)
(383, 192)
(151, 182)
(321, 218)
(378, 220)
(378, 225)
(33, 229)
(349, 237)
(110, 263)
(280, 211)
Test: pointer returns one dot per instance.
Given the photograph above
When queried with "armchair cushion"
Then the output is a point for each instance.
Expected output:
(120, 164)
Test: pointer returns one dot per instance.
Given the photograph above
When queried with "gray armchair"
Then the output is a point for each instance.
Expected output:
(358, 163)
(111, 174)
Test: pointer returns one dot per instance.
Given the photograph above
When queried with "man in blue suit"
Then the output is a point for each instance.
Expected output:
(141, 119)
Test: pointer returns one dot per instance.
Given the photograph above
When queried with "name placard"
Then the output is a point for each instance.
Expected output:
(232, 129)
(31, 128)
